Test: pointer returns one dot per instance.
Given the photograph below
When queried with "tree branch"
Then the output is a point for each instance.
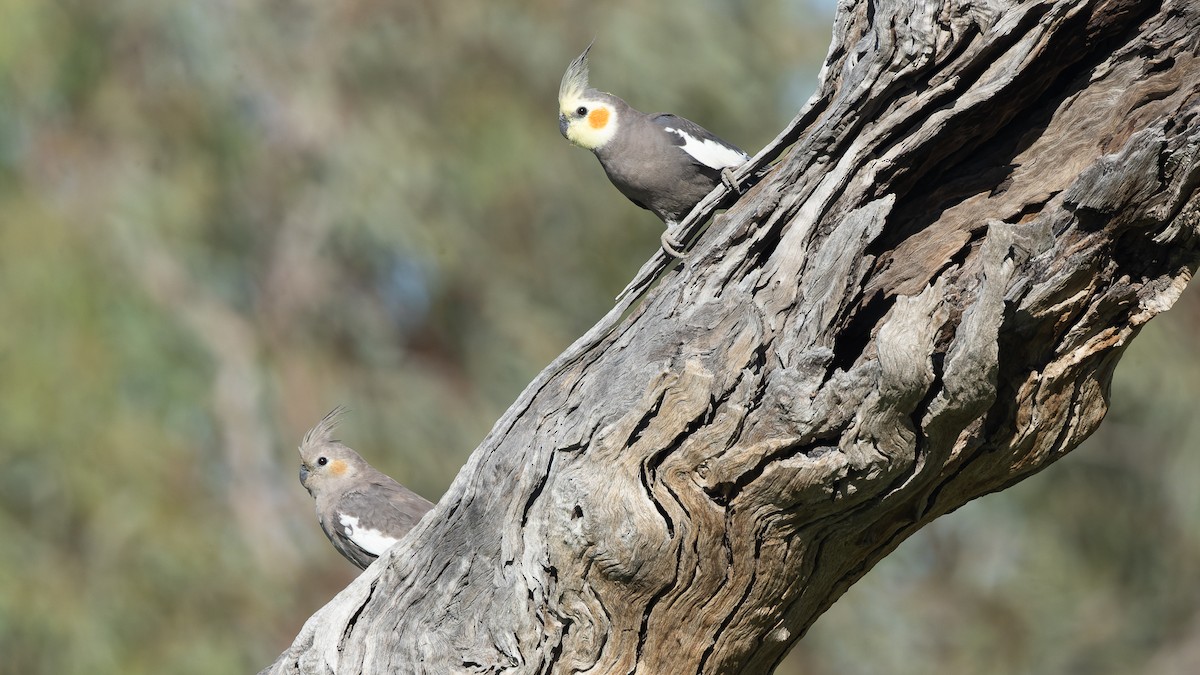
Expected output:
(921, 303)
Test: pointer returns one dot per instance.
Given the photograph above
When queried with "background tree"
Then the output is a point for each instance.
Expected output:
(218, 221)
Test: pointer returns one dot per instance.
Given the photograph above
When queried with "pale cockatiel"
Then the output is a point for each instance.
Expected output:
(361, 510)
(661, 162)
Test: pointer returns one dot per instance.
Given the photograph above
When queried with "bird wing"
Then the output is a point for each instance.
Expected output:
(703, 146)
(377, 516)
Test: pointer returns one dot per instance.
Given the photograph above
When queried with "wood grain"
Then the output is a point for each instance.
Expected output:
(921, 302)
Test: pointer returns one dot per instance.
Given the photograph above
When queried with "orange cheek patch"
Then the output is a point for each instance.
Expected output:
(338, 467)
(598, 118)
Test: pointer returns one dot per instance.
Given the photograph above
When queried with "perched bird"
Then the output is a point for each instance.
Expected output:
(661, 162)
(362, 511)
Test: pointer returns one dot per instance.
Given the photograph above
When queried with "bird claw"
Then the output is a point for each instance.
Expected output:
(672, 245)
(729, 181)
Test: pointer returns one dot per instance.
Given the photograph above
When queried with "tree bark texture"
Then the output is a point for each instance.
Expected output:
(922, 302)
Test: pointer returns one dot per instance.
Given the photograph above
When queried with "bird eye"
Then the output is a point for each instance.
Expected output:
(581, 111)
(323, 461)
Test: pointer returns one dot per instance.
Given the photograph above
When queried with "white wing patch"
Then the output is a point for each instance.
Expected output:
(371, 541)
(708, 152)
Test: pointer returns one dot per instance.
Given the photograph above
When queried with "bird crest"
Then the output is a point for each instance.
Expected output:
(575, 80)
(322, 433)
(586, 117)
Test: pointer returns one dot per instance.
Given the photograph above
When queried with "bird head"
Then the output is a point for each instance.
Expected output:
(326, 464)
(586, 117)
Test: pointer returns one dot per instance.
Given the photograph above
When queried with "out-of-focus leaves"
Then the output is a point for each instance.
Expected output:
(218, 220)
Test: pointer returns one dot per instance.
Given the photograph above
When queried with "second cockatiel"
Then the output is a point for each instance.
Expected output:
(661, 162)
(360, 509)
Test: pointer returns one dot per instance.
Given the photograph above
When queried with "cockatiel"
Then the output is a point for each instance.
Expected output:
(661, 162)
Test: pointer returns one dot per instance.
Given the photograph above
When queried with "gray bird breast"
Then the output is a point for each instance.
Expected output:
(654, 173)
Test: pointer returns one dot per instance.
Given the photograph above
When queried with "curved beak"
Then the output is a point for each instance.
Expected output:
(303, 474)
(562, 124)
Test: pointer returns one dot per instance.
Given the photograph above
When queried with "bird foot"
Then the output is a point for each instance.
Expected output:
(670, 244)
(729, 181)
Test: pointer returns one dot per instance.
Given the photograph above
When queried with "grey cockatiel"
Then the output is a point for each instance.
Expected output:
(362, 511)
(661, 162)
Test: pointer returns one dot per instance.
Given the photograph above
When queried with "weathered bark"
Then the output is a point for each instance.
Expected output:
(921, 303)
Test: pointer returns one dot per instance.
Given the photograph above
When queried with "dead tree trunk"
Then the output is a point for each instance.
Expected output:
(921, 303)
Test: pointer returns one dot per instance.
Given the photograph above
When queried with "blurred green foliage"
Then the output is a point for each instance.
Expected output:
(218, 220)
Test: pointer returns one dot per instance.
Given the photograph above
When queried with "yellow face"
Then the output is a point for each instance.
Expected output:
(588, 123)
